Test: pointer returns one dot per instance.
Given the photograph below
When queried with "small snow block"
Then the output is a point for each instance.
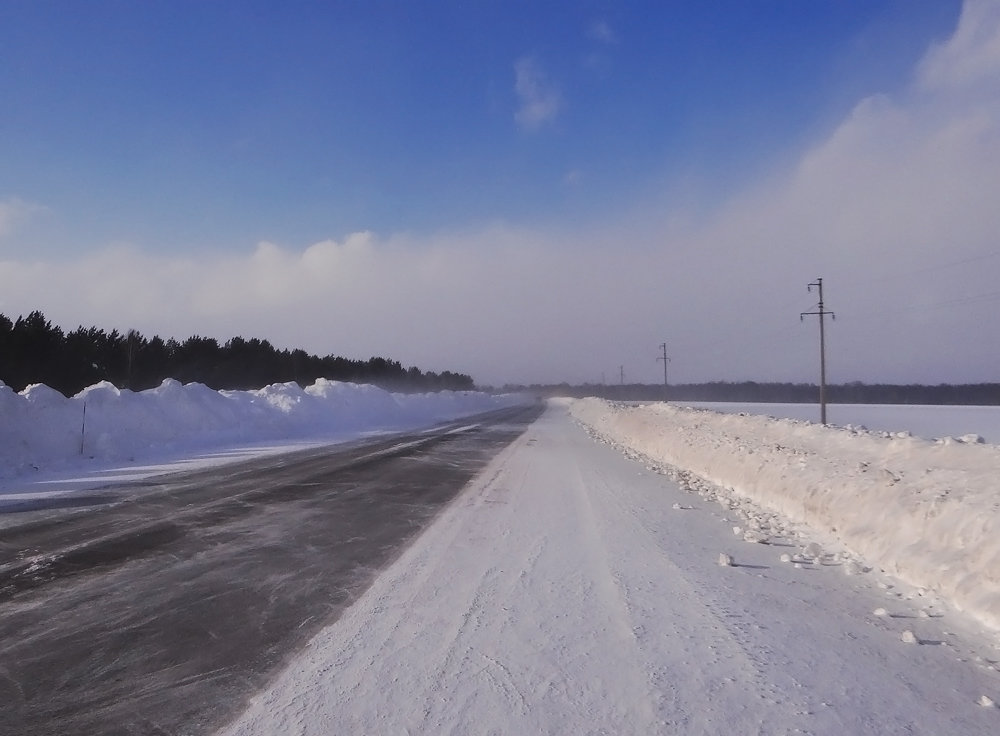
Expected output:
(908, 637)
(986, 701)
(725, 560)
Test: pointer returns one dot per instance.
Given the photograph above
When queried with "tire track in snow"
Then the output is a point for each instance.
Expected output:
(611, 594)
(465, 663)
(643, 568)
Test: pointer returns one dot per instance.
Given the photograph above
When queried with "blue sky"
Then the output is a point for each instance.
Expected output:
(205, 125)
(168, 134)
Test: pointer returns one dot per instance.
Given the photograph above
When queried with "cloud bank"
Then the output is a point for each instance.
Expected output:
(895, 208)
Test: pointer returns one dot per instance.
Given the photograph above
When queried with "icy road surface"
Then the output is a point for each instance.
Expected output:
(570, 590)
(159, 607)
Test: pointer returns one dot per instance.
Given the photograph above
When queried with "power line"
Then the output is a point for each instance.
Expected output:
(875, 316)
(938, 267)
(971, 298)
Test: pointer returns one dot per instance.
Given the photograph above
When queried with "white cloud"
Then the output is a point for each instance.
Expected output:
(539, 101)
(572, 177)
(600, 31)
(971, 56)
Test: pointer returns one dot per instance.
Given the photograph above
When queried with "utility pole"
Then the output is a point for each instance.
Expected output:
(621, 371)
(665, 359)
(821, 313)
(132, 334)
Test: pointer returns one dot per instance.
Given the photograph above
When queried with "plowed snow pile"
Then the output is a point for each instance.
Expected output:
(925, 511)
(40, 429)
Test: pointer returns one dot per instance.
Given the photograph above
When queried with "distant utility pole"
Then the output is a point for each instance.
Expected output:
(621, 371)
(132, 334)
(665, 359)
(821, 313)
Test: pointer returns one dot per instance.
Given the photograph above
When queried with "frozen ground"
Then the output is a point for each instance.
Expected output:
(50, 444)
(929, 422)
(571, 589)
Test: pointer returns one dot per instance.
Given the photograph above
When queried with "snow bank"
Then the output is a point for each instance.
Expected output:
(925, 511)
(41, 428)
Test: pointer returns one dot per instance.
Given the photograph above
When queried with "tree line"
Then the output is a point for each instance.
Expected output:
(33, 350)
(977, 394)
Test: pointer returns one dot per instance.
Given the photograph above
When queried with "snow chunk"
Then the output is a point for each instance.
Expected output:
(813, 551)
(852, 567)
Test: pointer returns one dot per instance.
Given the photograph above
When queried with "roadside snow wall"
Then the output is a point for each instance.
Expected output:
(42, 429)
(927, 512)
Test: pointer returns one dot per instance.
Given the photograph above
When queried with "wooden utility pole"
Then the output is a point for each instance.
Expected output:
(821, 313)
(132, 334)
(665, 359)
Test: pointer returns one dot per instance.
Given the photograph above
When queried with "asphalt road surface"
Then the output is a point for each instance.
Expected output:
(159, 607)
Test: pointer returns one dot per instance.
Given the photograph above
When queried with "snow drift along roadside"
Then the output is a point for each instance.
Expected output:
(42, 429)
(927, 512)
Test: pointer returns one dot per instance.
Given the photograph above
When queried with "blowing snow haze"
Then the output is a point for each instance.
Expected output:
(525, 193)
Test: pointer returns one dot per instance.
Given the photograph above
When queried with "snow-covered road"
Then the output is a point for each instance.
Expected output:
(571, 590)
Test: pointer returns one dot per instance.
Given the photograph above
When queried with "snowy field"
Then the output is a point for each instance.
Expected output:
(50, 444)
(929, 422)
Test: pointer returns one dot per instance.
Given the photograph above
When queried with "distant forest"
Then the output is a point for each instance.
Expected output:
(978, 394)
(33, 350)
